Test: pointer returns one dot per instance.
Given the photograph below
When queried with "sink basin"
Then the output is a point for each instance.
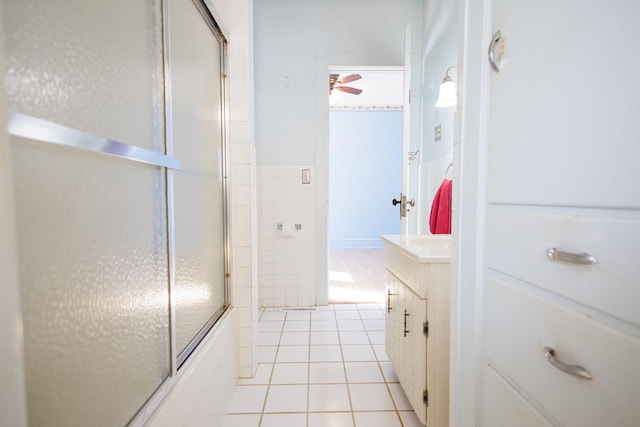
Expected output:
(418, 260)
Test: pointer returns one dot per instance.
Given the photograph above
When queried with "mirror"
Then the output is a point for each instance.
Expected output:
(440, 53)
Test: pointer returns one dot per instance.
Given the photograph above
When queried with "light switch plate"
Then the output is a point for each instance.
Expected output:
(306, 176)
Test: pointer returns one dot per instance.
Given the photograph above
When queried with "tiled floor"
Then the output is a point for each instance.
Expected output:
(356, 275)
(320, 368)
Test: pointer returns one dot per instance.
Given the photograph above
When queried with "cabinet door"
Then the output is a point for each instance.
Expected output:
(415, 343)
(393, 323)
(564, 125)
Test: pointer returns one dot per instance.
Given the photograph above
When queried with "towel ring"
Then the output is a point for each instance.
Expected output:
(447, 171)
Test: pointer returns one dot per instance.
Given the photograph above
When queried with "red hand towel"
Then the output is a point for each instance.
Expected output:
(440, 219)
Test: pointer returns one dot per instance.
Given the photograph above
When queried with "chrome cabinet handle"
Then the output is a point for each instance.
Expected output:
(582, 258)
(406, 331)
(575, 370)
(492, 47)
(389, 294)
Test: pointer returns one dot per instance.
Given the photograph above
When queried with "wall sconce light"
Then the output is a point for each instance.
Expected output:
(448, 96)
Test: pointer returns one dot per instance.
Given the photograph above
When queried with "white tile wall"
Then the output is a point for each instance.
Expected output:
(287, 264)
(237, 17)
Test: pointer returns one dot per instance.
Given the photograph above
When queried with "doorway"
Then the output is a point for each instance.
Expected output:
(365, 152)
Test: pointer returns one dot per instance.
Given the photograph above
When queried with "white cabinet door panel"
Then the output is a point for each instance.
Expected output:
(518, 242)
(518, 328)
(505, 407)
(564, 105)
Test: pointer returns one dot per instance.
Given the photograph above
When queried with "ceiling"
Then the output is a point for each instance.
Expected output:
(382, 88)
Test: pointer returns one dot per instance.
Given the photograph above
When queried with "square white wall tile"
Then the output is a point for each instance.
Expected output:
(282, 198)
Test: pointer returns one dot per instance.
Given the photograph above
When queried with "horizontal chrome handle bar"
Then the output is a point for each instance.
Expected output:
(582, 258)
(575, 370)
(29, 127)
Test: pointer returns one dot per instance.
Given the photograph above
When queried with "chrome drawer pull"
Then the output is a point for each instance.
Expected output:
(582, 258)
(575, 370)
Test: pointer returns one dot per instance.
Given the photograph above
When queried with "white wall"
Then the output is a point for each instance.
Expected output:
(363, 143)
(289, 36)
(295, 45)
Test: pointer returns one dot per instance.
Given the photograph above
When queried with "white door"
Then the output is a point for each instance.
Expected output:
(564, 104)
(405, 201)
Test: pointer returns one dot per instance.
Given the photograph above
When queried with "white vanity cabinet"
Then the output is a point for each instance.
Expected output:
(560, 320)
(417, 321)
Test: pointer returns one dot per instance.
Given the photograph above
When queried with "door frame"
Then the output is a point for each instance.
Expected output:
(323, 64)
(470, 166)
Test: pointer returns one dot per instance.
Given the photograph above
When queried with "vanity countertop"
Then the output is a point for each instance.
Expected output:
(421, 248)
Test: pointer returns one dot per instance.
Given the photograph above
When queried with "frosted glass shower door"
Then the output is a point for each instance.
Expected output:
(196, 55)
(91, 228)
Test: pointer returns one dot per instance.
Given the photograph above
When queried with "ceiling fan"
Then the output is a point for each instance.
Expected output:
(336, 82)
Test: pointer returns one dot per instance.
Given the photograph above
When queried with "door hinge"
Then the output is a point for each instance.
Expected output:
(425, 328)
(425, 397)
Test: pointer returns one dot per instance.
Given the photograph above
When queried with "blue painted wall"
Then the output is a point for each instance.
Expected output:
(365, 174)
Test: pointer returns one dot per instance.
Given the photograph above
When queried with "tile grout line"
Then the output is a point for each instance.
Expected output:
(273, 368)
(386, 383)
(344, 368)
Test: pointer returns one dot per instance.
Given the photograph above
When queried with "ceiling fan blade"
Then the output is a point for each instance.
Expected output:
(351, 90)
(350, 78)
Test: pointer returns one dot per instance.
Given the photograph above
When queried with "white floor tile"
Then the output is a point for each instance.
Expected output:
(363, 372)
(326, 372)
(410, 419)
(341, 307)
(323, 315)
(370, 397)
(377, 419)
(272, 315)
(290, 373)
(266, 354)
(294, 338)
(376, 337)
(323, 325)
(353, 337)
(287, 398)
(371, 306)
(372, 314)
(350, 325)
(400, 399)
(331, 419)
(381, 354)
(270, 326)
(388, 372)
(247, 399)
(293, 353)
(296, 326)
(299, 315)
(373, 324)
(262, 375)
(328, 398)
(324, 337)
(284, 420)
(325, 353)
(348, 315)
(358, 353)
(242, 420)
(268, 338)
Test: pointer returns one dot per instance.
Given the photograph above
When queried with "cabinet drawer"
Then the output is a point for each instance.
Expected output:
(518, 243)
(505, 407)
(518, 328)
